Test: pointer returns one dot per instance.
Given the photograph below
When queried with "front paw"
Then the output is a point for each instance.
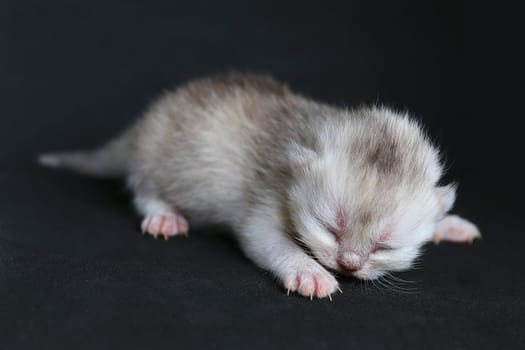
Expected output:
(455, 229)
(311, 281)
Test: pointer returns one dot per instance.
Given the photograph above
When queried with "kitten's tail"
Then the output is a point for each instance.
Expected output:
(110, 160)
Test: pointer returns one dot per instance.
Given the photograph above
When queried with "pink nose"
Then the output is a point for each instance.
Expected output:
(351, 261)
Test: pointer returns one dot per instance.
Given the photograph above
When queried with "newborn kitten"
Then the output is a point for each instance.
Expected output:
(305, 187)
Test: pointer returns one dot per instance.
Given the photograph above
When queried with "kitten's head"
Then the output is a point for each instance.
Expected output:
(365, 197)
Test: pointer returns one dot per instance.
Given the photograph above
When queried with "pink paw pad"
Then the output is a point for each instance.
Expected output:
(165, 225)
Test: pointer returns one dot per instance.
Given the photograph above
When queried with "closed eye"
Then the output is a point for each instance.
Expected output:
(335, 232)
(381, 248)
(332, 230)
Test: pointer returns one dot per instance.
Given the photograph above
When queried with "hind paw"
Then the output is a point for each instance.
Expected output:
(165, 225)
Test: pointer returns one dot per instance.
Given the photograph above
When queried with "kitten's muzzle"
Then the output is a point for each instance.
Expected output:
(351, 261)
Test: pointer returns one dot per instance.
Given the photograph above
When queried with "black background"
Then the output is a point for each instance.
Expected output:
(74, 272)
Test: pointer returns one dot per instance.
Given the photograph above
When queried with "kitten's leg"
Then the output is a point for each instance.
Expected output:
(160, 219)
(455, 229)
(263, 241)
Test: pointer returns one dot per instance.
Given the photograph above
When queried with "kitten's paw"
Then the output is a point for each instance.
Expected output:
(455, 229)
(166, 225)
(311, 282)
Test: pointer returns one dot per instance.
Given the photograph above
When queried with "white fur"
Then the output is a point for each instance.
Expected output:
(278, 168)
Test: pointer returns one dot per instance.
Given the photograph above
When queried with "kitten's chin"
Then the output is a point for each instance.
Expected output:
(363, 274)
(368, 274)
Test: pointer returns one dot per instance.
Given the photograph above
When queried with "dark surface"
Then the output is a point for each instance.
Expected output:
(75, 273)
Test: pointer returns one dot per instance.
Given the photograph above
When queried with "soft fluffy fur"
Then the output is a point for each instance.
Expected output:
(355, 189)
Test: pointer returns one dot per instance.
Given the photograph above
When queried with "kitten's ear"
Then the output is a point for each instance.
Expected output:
(299, 156)
(446, 196)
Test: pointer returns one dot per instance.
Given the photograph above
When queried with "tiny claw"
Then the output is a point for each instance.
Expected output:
(166, 237)
(311, 297)
(340, 290)
(288, 292)
(330, 297)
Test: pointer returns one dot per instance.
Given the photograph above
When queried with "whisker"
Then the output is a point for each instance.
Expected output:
(372, 283)
(382, 287)
(397, 287)
(398, 279)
